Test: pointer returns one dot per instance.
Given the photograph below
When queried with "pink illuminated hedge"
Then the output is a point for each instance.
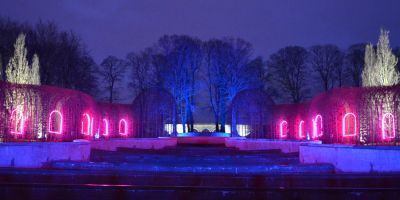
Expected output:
(364, 116)
(44, 113)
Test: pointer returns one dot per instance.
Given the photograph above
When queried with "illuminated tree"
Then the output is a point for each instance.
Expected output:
(229, 70)
(380, 65)
(18, 71)
(369, 60)
(35, 73)
(18, 68)
(63, 56)
(181, 58)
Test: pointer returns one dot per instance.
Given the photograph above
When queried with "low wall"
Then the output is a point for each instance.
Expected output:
(137, 143)
(201, 140)
(348, 158)
(286, 146)
(36, 154)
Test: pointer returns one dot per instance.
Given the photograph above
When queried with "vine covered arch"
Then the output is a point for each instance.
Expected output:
(250, 114)
(152, 110)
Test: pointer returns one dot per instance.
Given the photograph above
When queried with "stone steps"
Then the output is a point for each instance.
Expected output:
(201, 168)
(210, 159)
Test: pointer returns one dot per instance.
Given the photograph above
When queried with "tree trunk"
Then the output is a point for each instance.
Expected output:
(234, 132)
(216, 123)
(110, 100)
(174, 133)
(141, 117)
(191, 121)
(222, 123)
(183, 119)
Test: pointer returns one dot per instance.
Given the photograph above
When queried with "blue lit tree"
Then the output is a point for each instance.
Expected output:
(181, 58)
(229, 70)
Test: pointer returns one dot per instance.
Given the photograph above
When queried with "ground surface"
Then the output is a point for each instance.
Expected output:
(193, 172)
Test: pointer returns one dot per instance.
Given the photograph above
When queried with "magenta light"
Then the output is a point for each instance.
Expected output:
(60, 125)
(17, 111)
(301, 129)
(87, 118)
(391, 118)
(105, 121)
(125, 132)
(283, 132)
(315, 127)
(344, 125)
(91, 127)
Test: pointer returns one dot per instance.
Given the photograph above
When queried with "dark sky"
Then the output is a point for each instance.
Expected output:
(117, 27)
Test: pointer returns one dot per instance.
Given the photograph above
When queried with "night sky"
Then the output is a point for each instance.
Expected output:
(118, 27)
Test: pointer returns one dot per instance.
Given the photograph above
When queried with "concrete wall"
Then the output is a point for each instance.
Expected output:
(36, 154)
(286, 146)
(138, 143)
(348, 158)
(201, 140)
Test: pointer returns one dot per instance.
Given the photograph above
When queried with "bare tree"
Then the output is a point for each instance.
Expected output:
(339, 73)
(112, 70)
(287, 69)
(354, 61)
(325, 60)
(145, 73)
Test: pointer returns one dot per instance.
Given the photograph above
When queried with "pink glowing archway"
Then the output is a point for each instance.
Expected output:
(86, 122)
(123, 127)
(17, 121)
(56, 129)
(105, 127)
(317, 126)
(353, 131)
(283, 129)
(91, 127)
(388, 127)
(301, 129)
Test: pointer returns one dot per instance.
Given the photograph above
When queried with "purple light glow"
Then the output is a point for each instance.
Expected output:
(86, 124)
(301, 127)
(60, 125)
(283, 129)
(15, 119)
(317, 132)
(122, 123)
(105, 127)
(390, 117)
(344, 133)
